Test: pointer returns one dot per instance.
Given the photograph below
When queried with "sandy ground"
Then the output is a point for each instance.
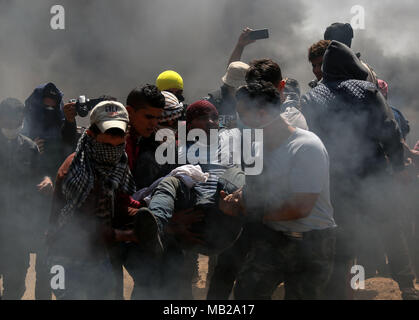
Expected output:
(375, 288)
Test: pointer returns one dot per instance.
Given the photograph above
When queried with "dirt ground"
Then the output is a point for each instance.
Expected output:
(375, 288)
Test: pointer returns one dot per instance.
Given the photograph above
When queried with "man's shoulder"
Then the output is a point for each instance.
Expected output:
(320, 94)
(308, 140)
(216, 94)
(357, 84)
(215, 97)
(326, 92)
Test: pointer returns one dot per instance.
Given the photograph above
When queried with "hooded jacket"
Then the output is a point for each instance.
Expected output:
(46, 125)
(36, 122)
(352, 117)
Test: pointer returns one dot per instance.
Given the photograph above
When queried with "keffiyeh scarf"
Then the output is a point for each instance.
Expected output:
(93, 158)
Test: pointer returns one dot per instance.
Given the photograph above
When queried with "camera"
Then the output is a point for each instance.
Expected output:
(84, 105)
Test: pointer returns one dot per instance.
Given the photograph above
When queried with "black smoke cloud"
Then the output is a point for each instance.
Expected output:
(112, 46)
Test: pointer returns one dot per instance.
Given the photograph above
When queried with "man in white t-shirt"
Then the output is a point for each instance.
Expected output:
(289, 205)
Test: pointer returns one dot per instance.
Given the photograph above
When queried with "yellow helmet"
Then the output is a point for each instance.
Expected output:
(169, 80)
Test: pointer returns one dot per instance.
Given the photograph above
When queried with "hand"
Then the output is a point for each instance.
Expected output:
(244, 38)
(70, 111)
(132, 211)
(231, 204)
(40, 143)
(46, 186)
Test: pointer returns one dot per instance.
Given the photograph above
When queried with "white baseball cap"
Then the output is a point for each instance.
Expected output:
(110, 114)
(236, 74)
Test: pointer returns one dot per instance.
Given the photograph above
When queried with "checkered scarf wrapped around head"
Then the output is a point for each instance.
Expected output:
(111, 163)
(173, 109)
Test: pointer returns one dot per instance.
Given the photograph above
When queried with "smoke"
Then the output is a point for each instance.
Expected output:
(110, 47)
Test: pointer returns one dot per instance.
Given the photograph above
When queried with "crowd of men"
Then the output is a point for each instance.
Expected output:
(337, 187)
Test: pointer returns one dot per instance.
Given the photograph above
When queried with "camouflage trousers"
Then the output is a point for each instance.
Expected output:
(304, 264)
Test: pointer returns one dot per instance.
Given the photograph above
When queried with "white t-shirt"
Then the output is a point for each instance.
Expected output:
(299, 165)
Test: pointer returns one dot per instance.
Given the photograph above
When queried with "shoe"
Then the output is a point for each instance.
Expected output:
(146, 230)
(410, 294)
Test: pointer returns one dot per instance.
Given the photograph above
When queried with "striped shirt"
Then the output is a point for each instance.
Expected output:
(215, 159)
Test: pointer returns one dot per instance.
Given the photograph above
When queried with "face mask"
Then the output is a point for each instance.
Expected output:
(51, 118)
(107, 154)
(11, 134)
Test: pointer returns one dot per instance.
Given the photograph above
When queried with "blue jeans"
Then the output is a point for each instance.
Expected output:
(170, 194)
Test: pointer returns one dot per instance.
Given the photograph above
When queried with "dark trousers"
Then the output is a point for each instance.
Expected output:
(227, 267)
(118, 255)
(84, 280)
(303, 264)
(410, 223)
(167, 277)
(179, 267)
(362, 209)
(145, 270)
(176, 273)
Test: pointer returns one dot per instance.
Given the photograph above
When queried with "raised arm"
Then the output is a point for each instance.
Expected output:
(241, 43)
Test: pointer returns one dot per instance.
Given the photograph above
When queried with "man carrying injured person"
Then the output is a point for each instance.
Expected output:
(216, 230)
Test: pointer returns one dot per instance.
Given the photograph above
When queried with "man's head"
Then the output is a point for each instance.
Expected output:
(341, 32)
(203, 115)
(341, 63)
(315, 56)
(11, 121)
(173, 110)
(265, 70)
(258, 103)
(12, 113)
(51, 97)
(108, 123)
(145, 107)
(292, 89)
(171, 81)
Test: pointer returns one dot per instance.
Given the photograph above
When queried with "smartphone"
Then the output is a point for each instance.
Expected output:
(259, 34)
